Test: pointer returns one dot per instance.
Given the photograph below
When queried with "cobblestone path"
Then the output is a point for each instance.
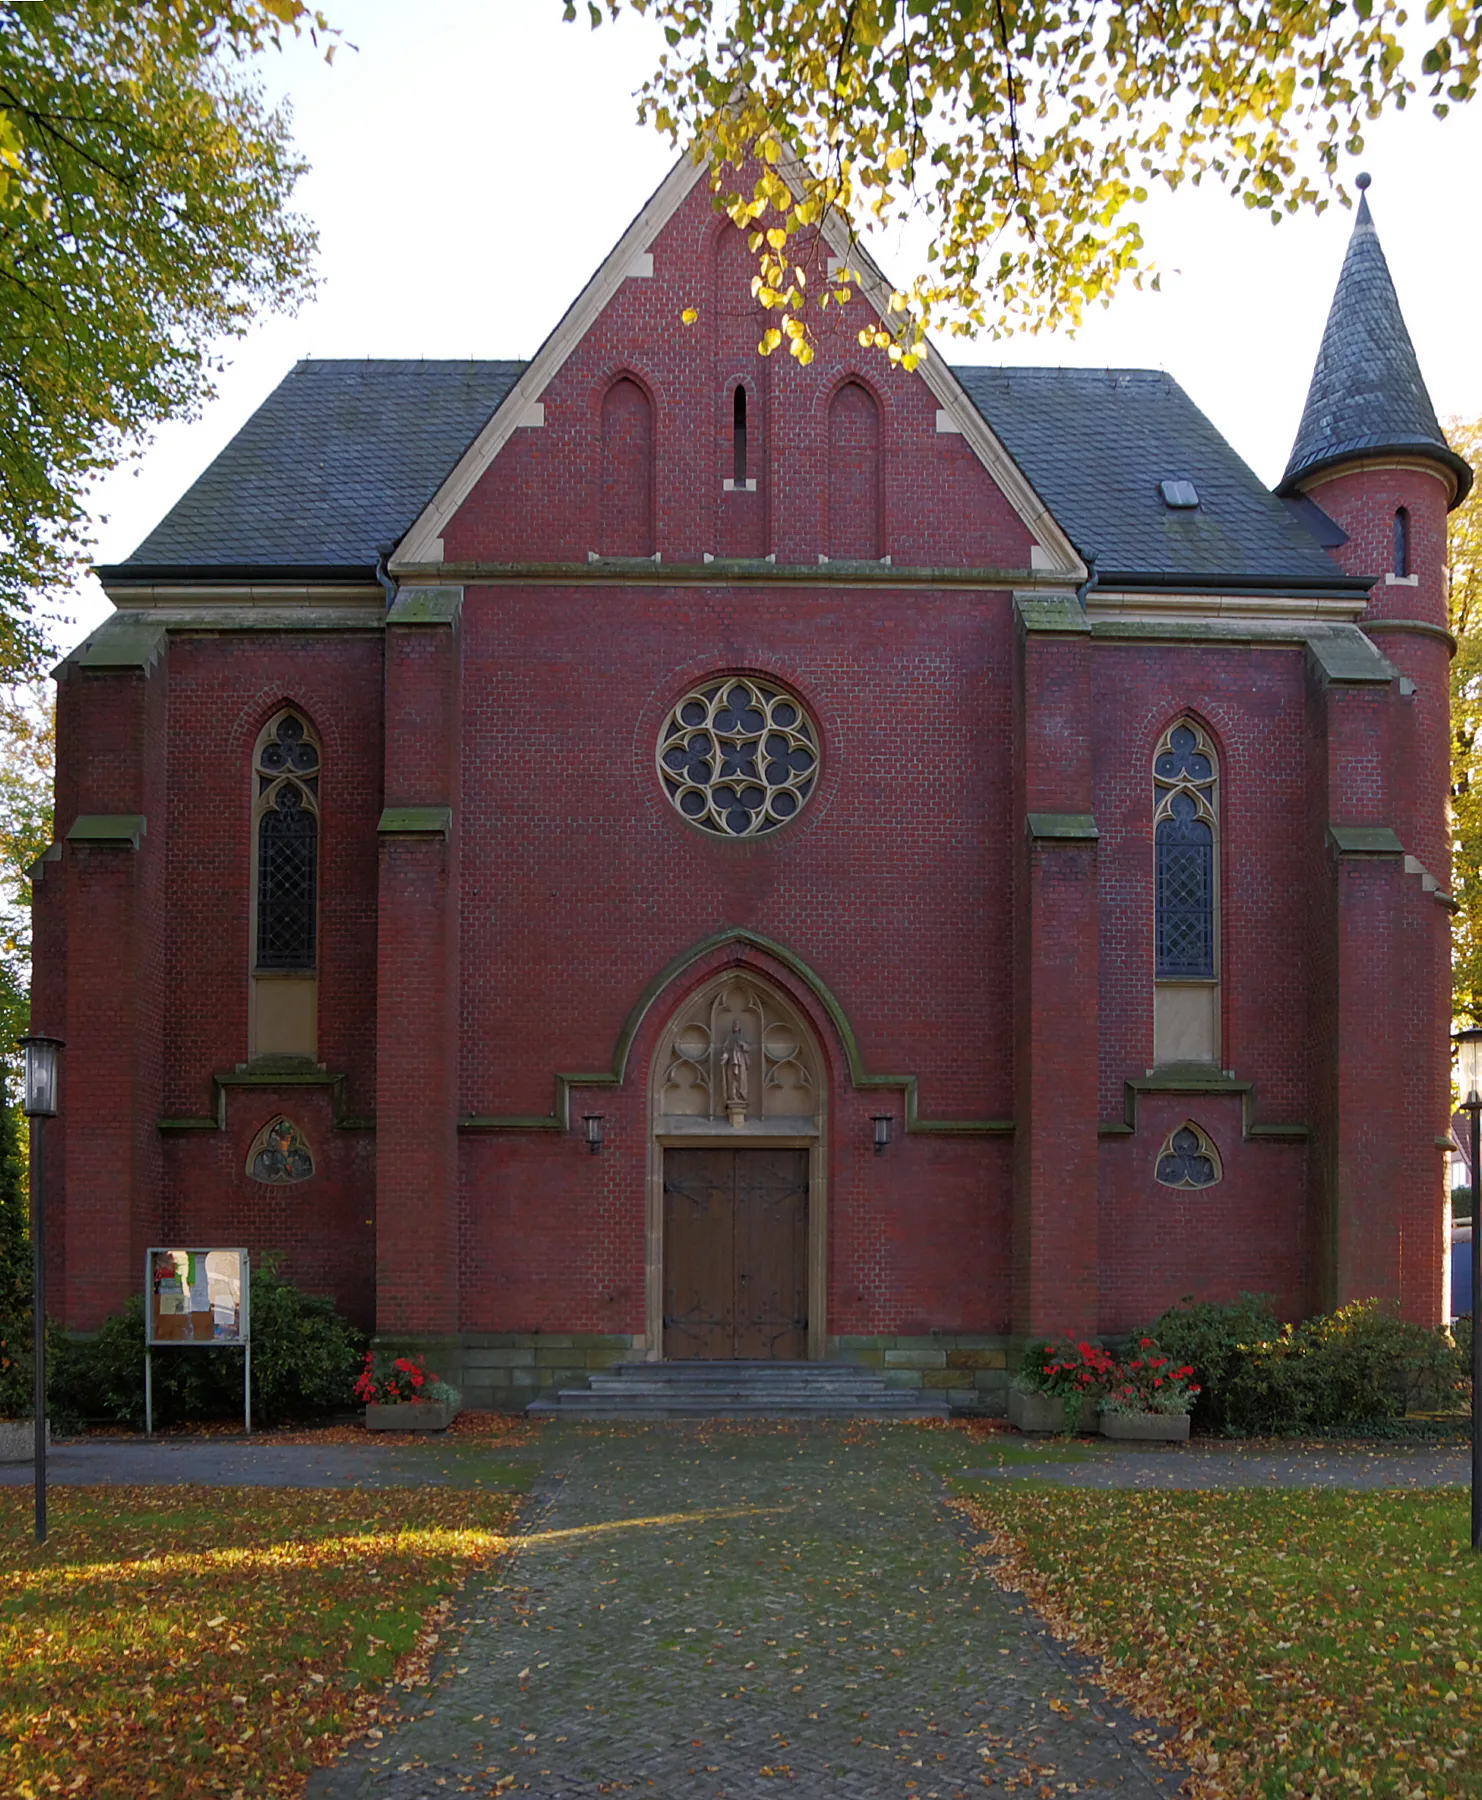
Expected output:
(712, 1613)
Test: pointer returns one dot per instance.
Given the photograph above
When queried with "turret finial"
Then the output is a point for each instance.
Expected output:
(1363, 182)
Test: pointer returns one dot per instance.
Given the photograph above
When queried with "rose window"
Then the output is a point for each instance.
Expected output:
(738, 757)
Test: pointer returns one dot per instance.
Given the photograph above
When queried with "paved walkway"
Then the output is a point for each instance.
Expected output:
(229, 1462)
(702, 1613)
(234, 1462)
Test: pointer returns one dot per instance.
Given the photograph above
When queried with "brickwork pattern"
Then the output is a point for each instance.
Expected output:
(458, 976)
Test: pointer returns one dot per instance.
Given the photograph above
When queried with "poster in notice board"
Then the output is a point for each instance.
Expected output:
(196, 1297)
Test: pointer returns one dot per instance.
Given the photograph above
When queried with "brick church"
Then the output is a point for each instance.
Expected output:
(660, 852)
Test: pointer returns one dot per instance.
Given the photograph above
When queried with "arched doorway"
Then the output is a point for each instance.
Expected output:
(737, 1191)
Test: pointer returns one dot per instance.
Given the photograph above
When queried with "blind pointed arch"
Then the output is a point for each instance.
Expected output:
(286, 770)
(1185, 861)
(626, 524)
(854, 526)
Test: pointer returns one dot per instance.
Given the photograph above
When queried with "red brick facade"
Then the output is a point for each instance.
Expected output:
(963, 909)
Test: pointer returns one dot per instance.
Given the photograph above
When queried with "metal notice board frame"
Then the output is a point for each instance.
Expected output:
(199, 1299)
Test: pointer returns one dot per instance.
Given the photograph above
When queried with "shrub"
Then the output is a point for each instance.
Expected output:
(305, 1358)
(1360, 1366)
(1461, 1336)
(1215, 1337)
(1364, 1363)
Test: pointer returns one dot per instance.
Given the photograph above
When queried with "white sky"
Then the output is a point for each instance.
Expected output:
(474, 160)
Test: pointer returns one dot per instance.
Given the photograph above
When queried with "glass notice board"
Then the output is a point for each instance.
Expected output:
(196, 1297)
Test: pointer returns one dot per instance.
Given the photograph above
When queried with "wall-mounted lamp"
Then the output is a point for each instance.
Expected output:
(593, 1123)
(882, 1123)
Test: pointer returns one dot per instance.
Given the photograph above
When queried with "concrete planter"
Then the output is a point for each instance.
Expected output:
(1146, 1428)
(428, 1415)
(18, 1440)
(1046, 1412)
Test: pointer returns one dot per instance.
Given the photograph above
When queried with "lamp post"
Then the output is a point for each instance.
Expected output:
(39, 1102)
(1469, 1079)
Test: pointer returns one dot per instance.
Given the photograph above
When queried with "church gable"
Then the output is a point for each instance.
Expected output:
(634, 435)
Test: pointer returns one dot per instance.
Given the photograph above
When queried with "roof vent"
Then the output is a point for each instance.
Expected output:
(1179, 493)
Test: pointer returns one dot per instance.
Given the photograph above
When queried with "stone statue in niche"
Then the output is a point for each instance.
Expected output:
(279, 1153)
(734, 1074)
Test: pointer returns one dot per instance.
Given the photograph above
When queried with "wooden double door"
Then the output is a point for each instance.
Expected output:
(736, 1254)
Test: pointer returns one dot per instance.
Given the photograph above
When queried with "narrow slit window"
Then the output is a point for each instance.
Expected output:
(738, 435)
(1402, 542)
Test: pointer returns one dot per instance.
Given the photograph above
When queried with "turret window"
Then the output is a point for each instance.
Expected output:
(1402, 542)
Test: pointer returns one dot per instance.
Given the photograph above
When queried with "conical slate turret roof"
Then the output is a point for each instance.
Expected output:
(1367, 395)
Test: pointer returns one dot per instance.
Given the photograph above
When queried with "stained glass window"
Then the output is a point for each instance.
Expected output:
(287, 846)
(1185, 818)
(280, 1153)
(738, 757)
(1188, 1159)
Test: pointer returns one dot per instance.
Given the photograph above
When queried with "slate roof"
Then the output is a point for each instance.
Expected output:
(332, 467)
(1095, 444)
(342, 456)
(1367, 393)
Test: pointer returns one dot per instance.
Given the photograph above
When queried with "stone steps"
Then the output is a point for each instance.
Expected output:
(739, 1390)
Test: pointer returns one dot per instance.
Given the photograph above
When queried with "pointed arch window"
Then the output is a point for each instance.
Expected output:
(286, 777)
(1185, 828)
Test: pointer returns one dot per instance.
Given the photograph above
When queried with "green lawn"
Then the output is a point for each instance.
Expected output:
(1303, 1642)
(188, 1641)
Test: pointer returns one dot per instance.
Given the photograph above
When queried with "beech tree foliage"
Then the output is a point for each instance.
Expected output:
(144, 216)
(1027, 136)
(1464, 596)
